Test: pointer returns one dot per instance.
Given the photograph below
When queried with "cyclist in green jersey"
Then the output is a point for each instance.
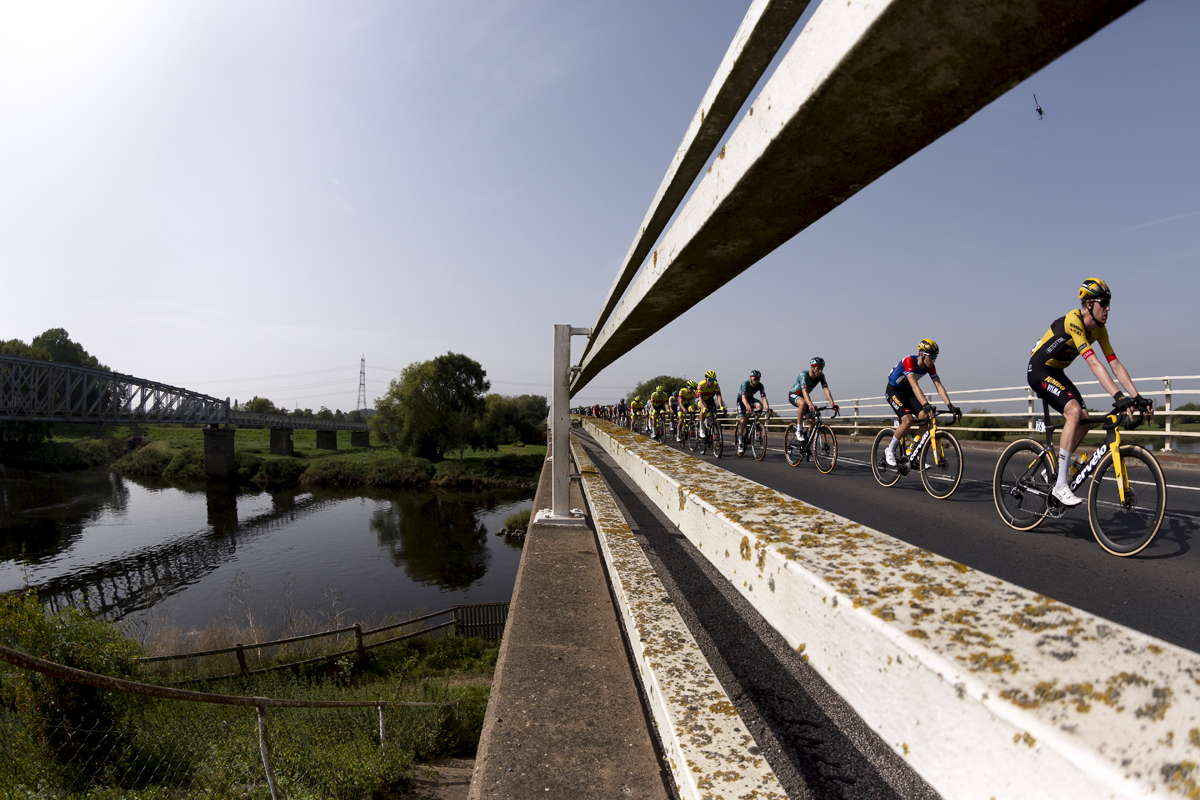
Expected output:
(805, 382)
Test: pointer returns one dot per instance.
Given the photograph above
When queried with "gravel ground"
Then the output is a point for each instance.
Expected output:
(817, 745)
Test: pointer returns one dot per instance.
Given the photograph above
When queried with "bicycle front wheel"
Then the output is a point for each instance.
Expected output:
(718, 440)
(886, 475)
(758, 441)
(824, 447)
(792, 451)
(941, 465)
(1021, 485)
(1126, 515)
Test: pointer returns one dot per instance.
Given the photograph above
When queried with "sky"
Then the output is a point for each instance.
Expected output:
(245, 198)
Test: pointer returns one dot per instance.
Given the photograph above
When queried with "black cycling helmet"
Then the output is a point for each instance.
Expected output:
(817, 361)
(756, 374)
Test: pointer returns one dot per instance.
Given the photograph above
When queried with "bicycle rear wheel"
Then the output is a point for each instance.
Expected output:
(1126, 526)
(885, 474)
(1021, 485)
(718, 440)
(758, 441)
(941, 465)
(824, 447)
(695, 440)
(793, 453)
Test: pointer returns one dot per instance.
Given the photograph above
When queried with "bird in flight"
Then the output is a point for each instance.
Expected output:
(1037, 106)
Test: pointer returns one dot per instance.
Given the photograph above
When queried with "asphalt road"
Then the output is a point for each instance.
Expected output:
(1156, 591)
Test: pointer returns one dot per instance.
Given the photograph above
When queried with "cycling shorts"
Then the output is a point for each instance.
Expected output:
(743, 411)
(795, 397)
(1052, 385)
(709, 402)
(902, 401)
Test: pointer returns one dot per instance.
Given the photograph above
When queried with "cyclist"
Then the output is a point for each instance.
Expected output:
(748, 405)
(805, 382)
(622, 409)
(658, 403)
(709, 392)
(636, 406)
(685, 401)
(906, 397)
(1070, 336)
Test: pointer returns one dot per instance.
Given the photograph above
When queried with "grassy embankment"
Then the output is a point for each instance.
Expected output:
(176, 454)
(158, 748)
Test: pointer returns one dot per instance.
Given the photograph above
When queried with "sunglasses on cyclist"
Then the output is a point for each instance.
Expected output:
(1104, 303)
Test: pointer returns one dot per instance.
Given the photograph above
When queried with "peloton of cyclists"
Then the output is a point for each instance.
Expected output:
(1070, 336)
(748, 405)
(799, 395)
(906, 397)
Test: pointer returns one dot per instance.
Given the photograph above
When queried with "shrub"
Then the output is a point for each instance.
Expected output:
(967, 423)
(279, 471)
(517, 521)
(186, 466)
(148, 462)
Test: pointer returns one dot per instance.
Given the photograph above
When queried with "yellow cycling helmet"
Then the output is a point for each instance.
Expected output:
(1094, 289)
(710, 376)
(691, 384)
(660, 389)
(928, 346)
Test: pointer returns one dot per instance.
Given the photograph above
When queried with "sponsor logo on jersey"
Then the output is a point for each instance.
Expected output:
(1052, 386)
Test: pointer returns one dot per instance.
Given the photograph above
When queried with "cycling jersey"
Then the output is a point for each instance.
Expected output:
(636, 405)
(1067, 339)
(686, 396)
(706, 389)
(658, 399)
(909, 366)
(749, 390)
(805, 381)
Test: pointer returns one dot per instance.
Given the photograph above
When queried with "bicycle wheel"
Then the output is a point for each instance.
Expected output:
(824, 446)
(1021, 485)
(758, 441)
(941, 464)
(1126, 526)
(886, 475)
(741, 443)
(791, 448)
(718, 440)
(695, 440)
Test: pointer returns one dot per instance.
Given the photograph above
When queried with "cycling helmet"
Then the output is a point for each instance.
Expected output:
(755, 374)
(1094, 289)
(928, 346)
(659, 389)
(710, 375)
(817, 361)
(638, 398)
(691, 384)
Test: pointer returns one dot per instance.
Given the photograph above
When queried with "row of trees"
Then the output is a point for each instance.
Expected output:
(436, 407)
(261, 405)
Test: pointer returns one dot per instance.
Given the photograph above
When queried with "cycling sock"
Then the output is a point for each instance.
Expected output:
(891, 448)
(1064, 463)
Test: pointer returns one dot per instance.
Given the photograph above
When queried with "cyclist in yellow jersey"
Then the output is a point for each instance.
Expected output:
(636, 406)
(709, 394)
(658, 402)
(1070, 336)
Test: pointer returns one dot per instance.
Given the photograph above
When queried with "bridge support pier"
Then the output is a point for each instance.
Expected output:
(282, 443)
(360, 438)
(327, 440)
(219, 462)
(221, 499)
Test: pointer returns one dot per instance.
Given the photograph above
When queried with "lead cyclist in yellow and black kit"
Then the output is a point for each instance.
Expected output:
(1072, 335)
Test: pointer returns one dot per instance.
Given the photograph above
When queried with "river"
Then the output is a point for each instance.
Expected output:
(165, 556)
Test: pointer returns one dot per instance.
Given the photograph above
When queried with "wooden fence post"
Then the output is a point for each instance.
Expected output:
(241, 657)
(264, 750)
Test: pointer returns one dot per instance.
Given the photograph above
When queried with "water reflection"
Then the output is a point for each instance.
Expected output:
(436, 539)
(124, 548)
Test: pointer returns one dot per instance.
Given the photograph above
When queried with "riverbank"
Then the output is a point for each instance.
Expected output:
(176, 454)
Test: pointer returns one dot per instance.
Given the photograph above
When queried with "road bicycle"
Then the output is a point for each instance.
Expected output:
(1125, 503)
(755, 437)
(819, 444)
(708, 434)
(937, 456)
(658, 426)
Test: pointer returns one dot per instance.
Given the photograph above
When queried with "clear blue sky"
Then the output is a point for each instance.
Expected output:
(210, 194)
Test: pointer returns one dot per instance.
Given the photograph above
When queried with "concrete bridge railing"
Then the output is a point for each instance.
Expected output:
(984, 688)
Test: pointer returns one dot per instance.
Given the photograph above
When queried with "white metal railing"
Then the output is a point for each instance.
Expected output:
(856, 412)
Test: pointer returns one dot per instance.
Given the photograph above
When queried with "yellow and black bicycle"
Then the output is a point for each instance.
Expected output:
(1125, 503)
(936, 455)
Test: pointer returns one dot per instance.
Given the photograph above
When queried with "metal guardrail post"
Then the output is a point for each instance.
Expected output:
(1029, 422)
(381, 744)
(856, 418)
(560, 423)
(264, 750)
(1169, 446)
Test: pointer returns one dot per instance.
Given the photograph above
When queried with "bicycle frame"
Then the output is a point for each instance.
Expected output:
(1111, 423)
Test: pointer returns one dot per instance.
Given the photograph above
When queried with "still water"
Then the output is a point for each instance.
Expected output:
(141, 552)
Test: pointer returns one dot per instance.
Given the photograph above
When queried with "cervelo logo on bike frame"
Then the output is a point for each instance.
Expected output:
(1083, 474)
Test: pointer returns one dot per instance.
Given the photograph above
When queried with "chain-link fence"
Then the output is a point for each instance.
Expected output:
(163, 742)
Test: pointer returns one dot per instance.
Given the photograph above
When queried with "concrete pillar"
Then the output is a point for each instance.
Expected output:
(327, 440)
(282, 443)
(219, 462)
(222, 507)
(360, 438)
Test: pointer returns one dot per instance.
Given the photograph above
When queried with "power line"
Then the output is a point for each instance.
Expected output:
(271, 377)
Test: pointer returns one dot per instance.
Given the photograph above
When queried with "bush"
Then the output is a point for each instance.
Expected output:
(967, 423)
(517, 521)
(60, 709)
(280, 471)
(148, 462)
(186, 466)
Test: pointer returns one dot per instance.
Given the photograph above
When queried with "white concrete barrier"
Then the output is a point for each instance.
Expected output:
(987, 689)
(708, 747)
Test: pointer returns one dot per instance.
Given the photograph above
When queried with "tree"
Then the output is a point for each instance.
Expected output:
(670, 382)
(506, 420)
(261, 405)
(57, 343)
(433, 406)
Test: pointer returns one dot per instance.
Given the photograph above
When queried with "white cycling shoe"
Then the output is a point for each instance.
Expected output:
(890, 457)
(1064, 495)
